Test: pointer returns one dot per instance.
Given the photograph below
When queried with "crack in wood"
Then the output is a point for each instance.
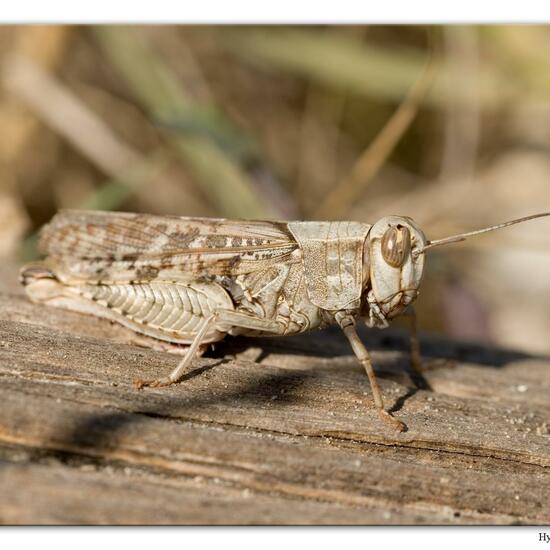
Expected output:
(279, 488)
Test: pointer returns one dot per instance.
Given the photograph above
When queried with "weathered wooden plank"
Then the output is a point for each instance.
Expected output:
(90, 493)
(288, 421)
(409, 486)
(329, 400)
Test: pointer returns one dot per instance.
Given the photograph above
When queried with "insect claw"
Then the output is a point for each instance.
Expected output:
(389, 419)
(155, 383)
(139, 384)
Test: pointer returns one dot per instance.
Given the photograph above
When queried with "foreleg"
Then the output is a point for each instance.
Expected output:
(414, 345)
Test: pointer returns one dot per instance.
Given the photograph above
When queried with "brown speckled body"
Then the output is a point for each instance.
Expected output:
(146, 272)
(193, 280)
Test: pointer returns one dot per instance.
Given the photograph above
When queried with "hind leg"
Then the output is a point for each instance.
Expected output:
(196, 349)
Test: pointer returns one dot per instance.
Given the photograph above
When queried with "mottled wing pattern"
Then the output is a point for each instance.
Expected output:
(115, 246)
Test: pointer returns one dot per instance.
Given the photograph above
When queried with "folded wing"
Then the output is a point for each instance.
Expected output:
(94, 245)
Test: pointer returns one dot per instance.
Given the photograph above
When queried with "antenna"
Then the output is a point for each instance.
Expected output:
(464, 236)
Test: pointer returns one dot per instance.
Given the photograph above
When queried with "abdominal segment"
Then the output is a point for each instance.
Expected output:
(171, 311)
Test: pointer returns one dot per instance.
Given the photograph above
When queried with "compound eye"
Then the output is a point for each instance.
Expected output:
(396, 245)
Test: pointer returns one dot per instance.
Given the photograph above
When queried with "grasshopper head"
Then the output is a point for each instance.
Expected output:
(396, 252)
(395, 267)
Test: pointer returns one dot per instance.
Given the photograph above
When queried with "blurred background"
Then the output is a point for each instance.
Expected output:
(449, 125)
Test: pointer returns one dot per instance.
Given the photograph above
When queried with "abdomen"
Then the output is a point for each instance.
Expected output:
(170, 311)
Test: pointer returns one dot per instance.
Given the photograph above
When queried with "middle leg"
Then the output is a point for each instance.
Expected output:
(347, 324)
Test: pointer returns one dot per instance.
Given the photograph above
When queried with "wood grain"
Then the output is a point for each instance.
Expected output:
(263, 431)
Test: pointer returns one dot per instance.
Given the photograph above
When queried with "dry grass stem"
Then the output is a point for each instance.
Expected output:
(373, 158)
(220, 176)
(55, 105)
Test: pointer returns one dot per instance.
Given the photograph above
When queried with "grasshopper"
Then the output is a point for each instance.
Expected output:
(191, 281)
